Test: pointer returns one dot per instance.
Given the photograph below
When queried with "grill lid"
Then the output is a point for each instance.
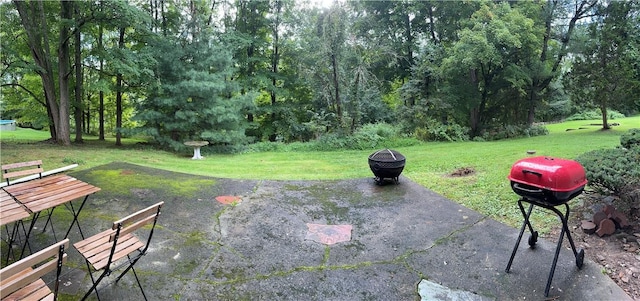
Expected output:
(386, 155)
(552, 174)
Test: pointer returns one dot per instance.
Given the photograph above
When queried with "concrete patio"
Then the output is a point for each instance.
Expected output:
(406, 243)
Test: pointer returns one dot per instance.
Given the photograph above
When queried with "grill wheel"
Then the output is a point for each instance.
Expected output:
(533, 239)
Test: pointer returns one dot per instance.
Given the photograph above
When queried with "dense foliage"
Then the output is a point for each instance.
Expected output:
(631, 139)
(237, 71)
(614, 170)
(595, 114)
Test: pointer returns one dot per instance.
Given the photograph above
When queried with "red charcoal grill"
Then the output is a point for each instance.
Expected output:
(547, 182)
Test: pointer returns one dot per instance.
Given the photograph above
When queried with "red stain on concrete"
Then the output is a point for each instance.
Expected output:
(228, 199)
(329, 234)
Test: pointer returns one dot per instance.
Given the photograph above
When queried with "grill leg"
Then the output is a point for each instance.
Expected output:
(565, 230)
(525, 223)
(579, 254)
(555, 261)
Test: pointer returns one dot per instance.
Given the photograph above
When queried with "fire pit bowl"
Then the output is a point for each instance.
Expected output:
(386, 164)
(548, 180)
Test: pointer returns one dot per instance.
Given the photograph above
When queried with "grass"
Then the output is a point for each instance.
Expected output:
(429, 164)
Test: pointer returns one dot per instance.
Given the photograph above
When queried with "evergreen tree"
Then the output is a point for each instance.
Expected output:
(193, 97)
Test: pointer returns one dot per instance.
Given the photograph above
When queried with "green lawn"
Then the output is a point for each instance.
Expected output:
(429, 164)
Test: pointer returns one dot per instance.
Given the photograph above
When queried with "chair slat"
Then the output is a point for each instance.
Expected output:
(21, 164)
(132, 218)
(14, 170)
(37, 290)
(135, 226)
(23, 279)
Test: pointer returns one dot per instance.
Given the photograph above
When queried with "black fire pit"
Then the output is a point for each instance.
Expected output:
(386, 164)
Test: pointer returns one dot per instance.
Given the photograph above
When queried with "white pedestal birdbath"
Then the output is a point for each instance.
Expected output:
(196, 148)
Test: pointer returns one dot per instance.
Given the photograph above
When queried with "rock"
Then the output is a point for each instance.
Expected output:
(609, 199)
(606, 227)
(588, 227)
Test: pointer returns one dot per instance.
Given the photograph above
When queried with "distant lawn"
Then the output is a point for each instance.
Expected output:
(429, 164)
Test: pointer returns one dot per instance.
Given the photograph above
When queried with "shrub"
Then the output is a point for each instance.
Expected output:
(536, 130)
(68, 160)
(265, 146)
(437, 131)
(595, 114)
(381, 129)
(370, 136)
(513, 131)
(630, 139)
(612, 169)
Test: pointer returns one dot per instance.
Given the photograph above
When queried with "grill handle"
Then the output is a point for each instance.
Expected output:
(526, 171)
(516, 186)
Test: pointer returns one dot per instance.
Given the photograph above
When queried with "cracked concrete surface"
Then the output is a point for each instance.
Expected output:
(256, 249)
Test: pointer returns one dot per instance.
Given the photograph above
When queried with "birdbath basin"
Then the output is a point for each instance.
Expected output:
(196, 148)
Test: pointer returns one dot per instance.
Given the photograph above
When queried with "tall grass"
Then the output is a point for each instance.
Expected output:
(429, 164)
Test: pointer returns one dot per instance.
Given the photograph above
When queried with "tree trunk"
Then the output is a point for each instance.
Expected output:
(101, 93)
(64, 132)
(605, 121)
(336, 87)
(78, 113)
(87, 116)
(35, 25)
(409, 38)
(531, 113)
(119, 92)
(474, 117)
(275, 59)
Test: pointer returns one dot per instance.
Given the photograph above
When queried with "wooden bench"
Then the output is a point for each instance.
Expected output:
(21, 169)
(103, 250)
(22, 280)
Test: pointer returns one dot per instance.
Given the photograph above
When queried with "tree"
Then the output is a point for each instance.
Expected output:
(248, 34)
(192, 96)
(324, 40)
(122, 58)
(21, 87)
(606, 74)
(392, 29)
(35, 22)
(486, 69)
(555, 44)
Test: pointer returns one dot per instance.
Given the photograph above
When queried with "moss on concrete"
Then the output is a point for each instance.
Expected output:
(121, 181)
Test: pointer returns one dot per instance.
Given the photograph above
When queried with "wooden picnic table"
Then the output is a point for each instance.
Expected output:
(50, 192)
(10, 210)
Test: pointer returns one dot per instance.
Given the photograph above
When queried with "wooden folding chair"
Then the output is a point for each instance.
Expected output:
(14, 170)
(103, 250)
(22, 280)
(10, 173)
